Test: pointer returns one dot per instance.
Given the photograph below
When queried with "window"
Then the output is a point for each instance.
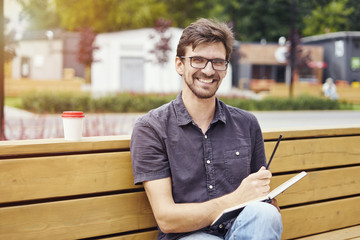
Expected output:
(355, 63)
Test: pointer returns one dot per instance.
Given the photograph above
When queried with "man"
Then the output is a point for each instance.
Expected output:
(197, 156)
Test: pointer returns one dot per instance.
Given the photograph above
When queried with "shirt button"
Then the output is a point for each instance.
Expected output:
(211, 187)
(221, 226)
(205, 136)
(208, 161)
(237, 153)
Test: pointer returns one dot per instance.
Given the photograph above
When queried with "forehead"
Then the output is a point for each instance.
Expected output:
(207, 50)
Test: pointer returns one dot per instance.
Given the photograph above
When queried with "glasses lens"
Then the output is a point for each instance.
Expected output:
(200, 62)
(219, 64)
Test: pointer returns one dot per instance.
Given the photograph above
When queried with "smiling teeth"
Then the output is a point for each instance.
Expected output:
(205, 81)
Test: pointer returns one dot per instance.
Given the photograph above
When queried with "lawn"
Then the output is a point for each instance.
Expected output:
(13, 102)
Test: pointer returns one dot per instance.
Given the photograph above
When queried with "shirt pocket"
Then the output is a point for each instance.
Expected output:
(237, 164)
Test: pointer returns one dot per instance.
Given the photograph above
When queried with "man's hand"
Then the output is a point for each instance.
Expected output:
(254, 186)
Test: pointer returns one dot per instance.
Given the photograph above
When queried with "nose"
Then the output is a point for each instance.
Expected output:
(208, 69)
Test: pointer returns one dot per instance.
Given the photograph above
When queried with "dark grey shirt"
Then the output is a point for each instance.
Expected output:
(166, 142)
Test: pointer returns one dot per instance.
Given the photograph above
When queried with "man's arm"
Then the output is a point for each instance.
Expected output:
(174, 217)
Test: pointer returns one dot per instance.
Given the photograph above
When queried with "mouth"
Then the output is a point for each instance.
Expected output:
(207, 81)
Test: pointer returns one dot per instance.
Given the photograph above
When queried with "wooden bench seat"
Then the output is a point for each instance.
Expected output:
(57, 189)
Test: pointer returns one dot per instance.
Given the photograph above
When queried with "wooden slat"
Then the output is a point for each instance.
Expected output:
(342, 234)
(303, 132)
(120, 142)
(295, 155)
(320, 217)
(151, 235)
(319, 185)
(56, 176)
(41, 146)
(75, 219)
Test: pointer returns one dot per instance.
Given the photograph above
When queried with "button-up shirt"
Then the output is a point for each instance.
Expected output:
(166, 142)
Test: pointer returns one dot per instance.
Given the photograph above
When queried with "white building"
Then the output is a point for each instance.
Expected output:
(124, 63)
(43, 55)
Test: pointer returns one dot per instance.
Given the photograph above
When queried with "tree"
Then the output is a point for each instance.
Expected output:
(40, 14)
(331, 18)
(183, 12)
(162, 46)
(353, 18)
(9, 43)
(109, 15)
(86, 49)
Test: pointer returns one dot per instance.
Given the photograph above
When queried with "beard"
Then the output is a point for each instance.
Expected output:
(203, 92)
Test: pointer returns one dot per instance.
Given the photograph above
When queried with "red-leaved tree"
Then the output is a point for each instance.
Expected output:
(86, 48)
(162, 46)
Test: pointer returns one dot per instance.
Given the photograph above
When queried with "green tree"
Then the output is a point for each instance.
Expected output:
(331, 18)
(109, 15)
(354, 23)
(268, 19)
(40, 14)
(183, 12)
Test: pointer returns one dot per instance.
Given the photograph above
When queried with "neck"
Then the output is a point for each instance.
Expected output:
(201, 110)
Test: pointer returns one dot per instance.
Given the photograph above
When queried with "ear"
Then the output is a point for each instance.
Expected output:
(179, 66)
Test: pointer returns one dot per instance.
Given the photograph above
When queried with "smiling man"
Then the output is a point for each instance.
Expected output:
(197, 156)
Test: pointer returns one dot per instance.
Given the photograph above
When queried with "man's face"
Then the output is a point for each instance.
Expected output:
(203, 83)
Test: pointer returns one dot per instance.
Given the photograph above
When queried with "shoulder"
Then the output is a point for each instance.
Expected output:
(237, 113)
(155, 118)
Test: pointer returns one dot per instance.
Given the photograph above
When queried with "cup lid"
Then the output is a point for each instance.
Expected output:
(73, 114)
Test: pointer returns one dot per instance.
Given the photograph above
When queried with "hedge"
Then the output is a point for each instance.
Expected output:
(57, 102)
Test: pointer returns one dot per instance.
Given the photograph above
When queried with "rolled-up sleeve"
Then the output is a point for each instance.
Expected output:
(148, 154)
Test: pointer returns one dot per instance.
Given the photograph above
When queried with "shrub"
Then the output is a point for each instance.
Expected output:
(57, 102)
(303, 102)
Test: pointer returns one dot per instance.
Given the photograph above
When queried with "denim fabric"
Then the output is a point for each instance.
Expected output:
(258, 221)
(166, 142)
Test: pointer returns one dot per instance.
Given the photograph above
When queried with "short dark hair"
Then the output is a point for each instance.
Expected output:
(206, 31)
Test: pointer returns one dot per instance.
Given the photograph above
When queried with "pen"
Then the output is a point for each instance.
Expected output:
(272, 155)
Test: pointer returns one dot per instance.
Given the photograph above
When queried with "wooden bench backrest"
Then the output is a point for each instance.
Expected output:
(329, 196)
(54, 189)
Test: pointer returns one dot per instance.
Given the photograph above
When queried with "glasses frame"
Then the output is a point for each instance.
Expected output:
(207, 61)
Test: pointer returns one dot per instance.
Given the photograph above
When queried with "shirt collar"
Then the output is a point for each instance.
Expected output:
(184, 118)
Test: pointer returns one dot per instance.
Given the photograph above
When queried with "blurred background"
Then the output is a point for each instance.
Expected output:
(116, 56)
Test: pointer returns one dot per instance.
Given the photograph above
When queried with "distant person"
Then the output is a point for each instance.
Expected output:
(197, 156)
(329, 89)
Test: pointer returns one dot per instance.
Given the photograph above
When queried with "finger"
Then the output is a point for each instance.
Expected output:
(262, 168)
(263, 174)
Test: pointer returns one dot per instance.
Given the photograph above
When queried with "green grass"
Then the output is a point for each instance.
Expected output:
(355, 107)
(13, 102)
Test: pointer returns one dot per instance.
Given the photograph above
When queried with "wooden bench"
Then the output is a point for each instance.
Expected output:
(56, 189)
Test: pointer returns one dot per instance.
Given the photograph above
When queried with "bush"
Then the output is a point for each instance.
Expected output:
(304, 102)
(57, 102)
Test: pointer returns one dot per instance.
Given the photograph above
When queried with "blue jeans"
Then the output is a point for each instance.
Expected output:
(257, 221)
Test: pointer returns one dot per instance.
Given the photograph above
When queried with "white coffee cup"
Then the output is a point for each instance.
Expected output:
(73, 125)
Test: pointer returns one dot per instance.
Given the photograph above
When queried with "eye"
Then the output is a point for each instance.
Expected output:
(198, 59)
(219, 62)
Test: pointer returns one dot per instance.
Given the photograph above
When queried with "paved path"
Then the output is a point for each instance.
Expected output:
(307, 119)
(20, 124)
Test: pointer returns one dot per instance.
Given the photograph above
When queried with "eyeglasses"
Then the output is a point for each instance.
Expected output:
(201, 63)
